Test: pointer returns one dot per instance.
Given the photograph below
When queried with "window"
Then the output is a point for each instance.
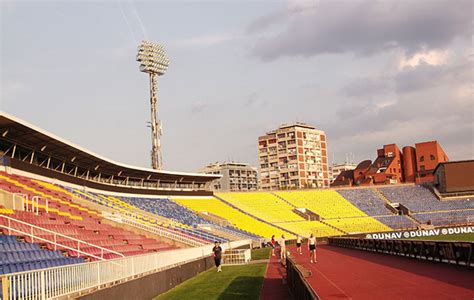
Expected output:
(422, 168)
(422, 158)
(432, 157)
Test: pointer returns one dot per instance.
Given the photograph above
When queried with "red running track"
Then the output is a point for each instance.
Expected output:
(274, 285)
(355, 274)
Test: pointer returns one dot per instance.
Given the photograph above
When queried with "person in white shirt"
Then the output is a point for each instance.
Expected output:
(312, 248)
(282, 248)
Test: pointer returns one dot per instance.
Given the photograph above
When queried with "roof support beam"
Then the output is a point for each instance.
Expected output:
(8, 150)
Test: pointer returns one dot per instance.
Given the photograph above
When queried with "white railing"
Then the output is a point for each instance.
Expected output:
(176, 236)
(29, 205)
(73, 279)
(236, 257)
(33, 234)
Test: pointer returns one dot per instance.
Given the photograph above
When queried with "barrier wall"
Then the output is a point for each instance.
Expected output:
(299, 288)
(459, 253)
(150, 286)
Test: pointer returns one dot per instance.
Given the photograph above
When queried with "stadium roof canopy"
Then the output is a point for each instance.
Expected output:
(43, 145)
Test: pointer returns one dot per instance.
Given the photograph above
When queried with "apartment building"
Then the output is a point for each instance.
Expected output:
(293, 156)
(235, 176)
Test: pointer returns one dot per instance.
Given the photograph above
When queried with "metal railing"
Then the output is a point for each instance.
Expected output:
(34, 232)
(80, 278)
(176, 236)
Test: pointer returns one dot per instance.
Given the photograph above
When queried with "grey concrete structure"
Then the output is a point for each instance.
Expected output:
(235, 176)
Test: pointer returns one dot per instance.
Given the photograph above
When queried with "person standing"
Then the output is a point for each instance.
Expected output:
(298, 245)
(217, 250)
(312, 248)
(273, 242)
(282, 242)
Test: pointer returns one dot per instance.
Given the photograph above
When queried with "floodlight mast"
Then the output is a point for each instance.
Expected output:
(153, 60)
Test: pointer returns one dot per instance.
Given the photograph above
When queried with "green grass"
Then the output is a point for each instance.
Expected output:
(234, 282)
(263, 253)
(468, 237)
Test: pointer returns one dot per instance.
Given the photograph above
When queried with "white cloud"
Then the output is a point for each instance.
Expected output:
(432, 57)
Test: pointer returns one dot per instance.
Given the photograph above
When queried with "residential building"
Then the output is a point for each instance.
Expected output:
(235, 176)
(293, 156)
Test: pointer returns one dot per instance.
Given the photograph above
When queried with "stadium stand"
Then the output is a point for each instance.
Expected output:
(326, 203)
(369, 202)
(148, 219)
(166, 208)
(61, 224)
(181, 215)
(453, 217)
(263, 205)
(18, 256)
(235, 217)
(421, 199)
(397, 222)
(305, 228)
(365, 200)
(426, 208)
(334, 209)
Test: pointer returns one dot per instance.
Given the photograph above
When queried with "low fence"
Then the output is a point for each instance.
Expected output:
(81, 278)
(236, 257)
(459, 253)
(299, 287)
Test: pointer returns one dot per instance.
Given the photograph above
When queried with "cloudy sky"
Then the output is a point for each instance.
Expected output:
(366, 72)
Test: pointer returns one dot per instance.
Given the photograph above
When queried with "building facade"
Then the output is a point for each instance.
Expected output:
(236, 177)
(337, 169)
(392, 166)
(428, 156)
(455, 177)
(293, 156)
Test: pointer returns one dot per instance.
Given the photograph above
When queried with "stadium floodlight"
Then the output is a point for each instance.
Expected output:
(154, 61)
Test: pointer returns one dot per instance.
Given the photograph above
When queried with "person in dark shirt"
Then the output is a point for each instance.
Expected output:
(217, 255)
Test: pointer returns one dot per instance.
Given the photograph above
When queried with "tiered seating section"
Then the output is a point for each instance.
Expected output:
(58, 214)
(335, 210)
(16, 256)
(235, 217)
(425, 207)
(147, 213)
(274, 210)
(371, 204)
(166, 214)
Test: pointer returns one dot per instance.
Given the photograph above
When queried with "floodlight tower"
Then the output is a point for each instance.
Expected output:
(154, 61)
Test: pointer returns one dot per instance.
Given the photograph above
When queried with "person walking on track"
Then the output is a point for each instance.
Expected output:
(298, 245)
(312, 248)
(217, 255)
